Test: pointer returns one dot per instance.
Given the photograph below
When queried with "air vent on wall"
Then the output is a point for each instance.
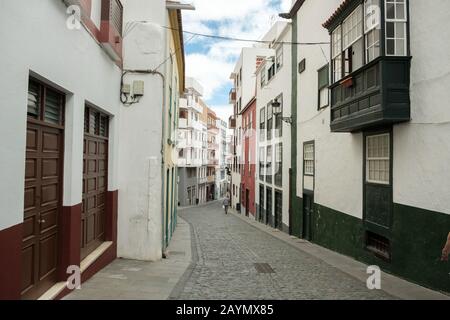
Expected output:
(302, 66)
(379, 245)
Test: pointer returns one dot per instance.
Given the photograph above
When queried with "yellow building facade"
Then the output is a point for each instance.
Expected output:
(174, 88)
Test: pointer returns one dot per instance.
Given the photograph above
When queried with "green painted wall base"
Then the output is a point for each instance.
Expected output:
(297, 217)
(418, 237)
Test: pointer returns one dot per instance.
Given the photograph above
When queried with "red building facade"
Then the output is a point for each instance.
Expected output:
(249, 168)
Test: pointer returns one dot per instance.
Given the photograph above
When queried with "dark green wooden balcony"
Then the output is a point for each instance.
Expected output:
(375, 95)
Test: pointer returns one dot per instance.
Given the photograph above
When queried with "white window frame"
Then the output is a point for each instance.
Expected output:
(372, 30)
(397, 22)
(269, 162)
(308, 159)
(357, 27)
(263, 76)
(380, 159)
(262, 163)
(336, 37)
(279, 58)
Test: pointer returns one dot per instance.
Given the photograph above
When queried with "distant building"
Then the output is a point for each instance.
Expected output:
(248, 171)
(213, 155)
(221, 173)
(243, 91)
(192, 137)
(273, 155)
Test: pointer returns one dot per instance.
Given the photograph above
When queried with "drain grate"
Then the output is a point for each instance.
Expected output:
(263, 268)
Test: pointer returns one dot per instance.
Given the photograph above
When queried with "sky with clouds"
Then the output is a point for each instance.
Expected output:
(211, 61)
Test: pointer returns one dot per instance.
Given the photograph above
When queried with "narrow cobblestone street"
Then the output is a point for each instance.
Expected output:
(227, 249)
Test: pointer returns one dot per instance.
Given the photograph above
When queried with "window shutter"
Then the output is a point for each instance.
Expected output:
(302, 66)
(33, 100)
(323, 77)
(53, 103)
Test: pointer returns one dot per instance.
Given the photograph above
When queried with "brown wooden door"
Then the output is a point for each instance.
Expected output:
(95, 174)
(43, 186)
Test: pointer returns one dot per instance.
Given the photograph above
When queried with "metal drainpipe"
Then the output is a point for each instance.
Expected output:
(163, 79)
(154, 72)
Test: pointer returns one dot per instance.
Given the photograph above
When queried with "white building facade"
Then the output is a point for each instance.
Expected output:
(273, 156)
(221, 170)
(371, 132)
(243, 91)
(192, 147)
(81, 180)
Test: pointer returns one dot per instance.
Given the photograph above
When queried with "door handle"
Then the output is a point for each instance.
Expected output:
(41, 221)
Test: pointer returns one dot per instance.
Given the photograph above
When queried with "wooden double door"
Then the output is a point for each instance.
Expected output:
(41, 241)
(43, 189)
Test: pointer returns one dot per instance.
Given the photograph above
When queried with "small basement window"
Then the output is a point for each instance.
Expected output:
(379, 245)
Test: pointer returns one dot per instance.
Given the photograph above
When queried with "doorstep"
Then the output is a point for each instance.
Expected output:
(59, 287)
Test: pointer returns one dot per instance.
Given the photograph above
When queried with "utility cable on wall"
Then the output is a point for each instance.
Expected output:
(131, 25)
(248, 40)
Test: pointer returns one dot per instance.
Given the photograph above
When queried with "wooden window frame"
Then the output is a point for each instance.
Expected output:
(42, 94)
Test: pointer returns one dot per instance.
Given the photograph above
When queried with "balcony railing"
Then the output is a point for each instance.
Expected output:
(213, 146)
(377, 94)
(182, 123)
(213, 162)
(232, 122)
(232, 99)
(111, 28)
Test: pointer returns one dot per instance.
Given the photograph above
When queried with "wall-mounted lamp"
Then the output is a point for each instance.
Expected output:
(270, 59)
(285, 15)
(277, 111)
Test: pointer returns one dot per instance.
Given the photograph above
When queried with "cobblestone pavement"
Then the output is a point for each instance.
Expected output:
(227, 250)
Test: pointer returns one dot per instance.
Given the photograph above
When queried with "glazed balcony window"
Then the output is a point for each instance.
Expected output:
(370, 64)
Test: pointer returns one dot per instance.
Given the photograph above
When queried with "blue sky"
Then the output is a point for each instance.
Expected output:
(211, 61)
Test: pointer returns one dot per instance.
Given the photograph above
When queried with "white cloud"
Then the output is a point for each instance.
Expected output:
(212, 74)
(224, 112)
(248, 19)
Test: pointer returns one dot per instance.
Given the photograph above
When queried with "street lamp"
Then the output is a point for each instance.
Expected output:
(278, 111)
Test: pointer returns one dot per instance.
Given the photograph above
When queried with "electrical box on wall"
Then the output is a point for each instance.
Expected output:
(138, 88)
(126, 89)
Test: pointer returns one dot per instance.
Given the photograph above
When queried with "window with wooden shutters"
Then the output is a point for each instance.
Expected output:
(271, 72)
(279, 119)
(269, 121)
(279, 164)
(269, 171)
(96, 123)
(33, 100)
(323, 86)
(263, 76)
(45, 103)
(116, 15)
(262, 124)
(262, 155)
(52, 111)
(279, 57)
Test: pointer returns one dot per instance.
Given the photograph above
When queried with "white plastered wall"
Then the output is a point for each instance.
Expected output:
(70, 60)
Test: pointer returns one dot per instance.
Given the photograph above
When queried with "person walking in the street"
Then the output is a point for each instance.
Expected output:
(446, 250)
(226, 204)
